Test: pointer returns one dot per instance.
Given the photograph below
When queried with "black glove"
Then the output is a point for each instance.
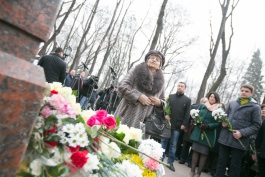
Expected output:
(204, 126)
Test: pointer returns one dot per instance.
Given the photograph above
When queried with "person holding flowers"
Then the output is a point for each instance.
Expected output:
(203, 135)
(244, 115)
(141, 89)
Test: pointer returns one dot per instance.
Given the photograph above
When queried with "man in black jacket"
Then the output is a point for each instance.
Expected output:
(180, 112)
(54, 66)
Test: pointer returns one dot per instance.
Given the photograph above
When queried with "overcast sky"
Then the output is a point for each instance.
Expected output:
(248, 23)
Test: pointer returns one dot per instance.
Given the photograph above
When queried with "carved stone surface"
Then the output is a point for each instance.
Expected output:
(23, 25)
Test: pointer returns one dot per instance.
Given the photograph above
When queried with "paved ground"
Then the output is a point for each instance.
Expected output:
(181, 170)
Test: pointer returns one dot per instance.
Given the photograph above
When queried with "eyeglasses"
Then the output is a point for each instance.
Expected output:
(155, 58)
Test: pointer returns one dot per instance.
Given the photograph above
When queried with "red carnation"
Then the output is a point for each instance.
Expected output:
(52, 130)
(74, 149)
(79, 158)
(51, 143)
(53, 92)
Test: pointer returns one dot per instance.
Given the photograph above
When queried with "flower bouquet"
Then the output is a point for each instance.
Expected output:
(220, 116)
(66, 141)
(194, 113)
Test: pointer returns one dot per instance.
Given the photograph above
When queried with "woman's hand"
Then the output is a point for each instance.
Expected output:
(144, 100)
(224, 124)
(155, 101)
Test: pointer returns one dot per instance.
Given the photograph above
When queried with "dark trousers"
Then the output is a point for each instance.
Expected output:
(185, 155)
(261, 167)
(235, 162)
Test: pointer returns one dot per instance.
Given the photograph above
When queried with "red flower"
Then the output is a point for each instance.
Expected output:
(52, 130)
(79, 158)
(53, 92)
(110, 122)
(72, 149)
(93, 120)
(101, 115)
(51, 143)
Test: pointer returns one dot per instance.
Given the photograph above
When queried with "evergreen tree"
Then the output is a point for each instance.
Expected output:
(253, 75)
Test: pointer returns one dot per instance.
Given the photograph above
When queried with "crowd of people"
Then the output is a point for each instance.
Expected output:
(85, 88)
(208, 145)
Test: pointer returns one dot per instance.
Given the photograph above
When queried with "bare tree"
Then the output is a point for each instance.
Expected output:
(79, 49)
(104, 37)
(159, 25)
(214, 46)
(58, 30)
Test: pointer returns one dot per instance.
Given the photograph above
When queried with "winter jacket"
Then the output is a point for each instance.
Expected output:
(180, 110)
(197, 134)
(138, 81)
(54, 68)
(245, 118)
(260, 141)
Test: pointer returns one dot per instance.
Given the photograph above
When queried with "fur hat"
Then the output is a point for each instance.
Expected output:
(155, 52)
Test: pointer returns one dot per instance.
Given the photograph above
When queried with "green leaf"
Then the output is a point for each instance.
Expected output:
(118, 121)
(52, 137)
(119, 136)
(79, 118)
(49, 122)
(69, 121)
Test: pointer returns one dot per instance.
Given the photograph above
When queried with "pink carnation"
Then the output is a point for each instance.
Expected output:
(93, 121)
(110, 122)
(101, 115)
(46, 111)
(152, 164)
(57, 101)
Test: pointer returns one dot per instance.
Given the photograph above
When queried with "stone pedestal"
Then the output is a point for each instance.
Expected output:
(23, 26)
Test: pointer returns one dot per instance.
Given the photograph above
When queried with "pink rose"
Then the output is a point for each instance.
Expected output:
(101, 114)
(46, 111)
(93, 121)
(152, 164)
(110, 122)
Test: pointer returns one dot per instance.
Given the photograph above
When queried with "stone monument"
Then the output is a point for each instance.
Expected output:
(23, 26)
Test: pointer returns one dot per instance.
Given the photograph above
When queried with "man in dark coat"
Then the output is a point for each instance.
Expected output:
(54, 66)
(245, 117)
(69, 78)
(179, 118)
(89, 85)
(104, 98)
(260, 145)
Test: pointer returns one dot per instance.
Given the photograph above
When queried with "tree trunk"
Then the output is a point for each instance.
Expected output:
(111, 43)
(159, 25)
(213, 52)
(103, 39)
(58, 30)
(87, 27)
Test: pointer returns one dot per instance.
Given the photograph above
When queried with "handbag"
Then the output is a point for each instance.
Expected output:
(156, 125)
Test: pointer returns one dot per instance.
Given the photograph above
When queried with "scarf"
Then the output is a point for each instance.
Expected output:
(211, 107)
(244, 101)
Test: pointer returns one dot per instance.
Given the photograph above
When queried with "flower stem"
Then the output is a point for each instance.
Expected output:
(118, 141)
(207, 139)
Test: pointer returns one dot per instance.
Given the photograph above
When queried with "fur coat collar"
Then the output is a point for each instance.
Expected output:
(147, 82)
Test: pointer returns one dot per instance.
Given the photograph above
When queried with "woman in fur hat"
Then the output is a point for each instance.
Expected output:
(141, 89)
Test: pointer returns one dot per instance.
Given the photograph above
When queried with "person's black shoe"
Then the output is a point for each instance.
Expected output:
(189, 165)
(171, 167)
(181, 161)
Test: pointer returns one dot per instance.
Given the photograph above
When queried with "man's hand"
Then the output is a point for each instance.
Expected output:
(237, 134)
(144, 100)
(167, 117)
(182, 127)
